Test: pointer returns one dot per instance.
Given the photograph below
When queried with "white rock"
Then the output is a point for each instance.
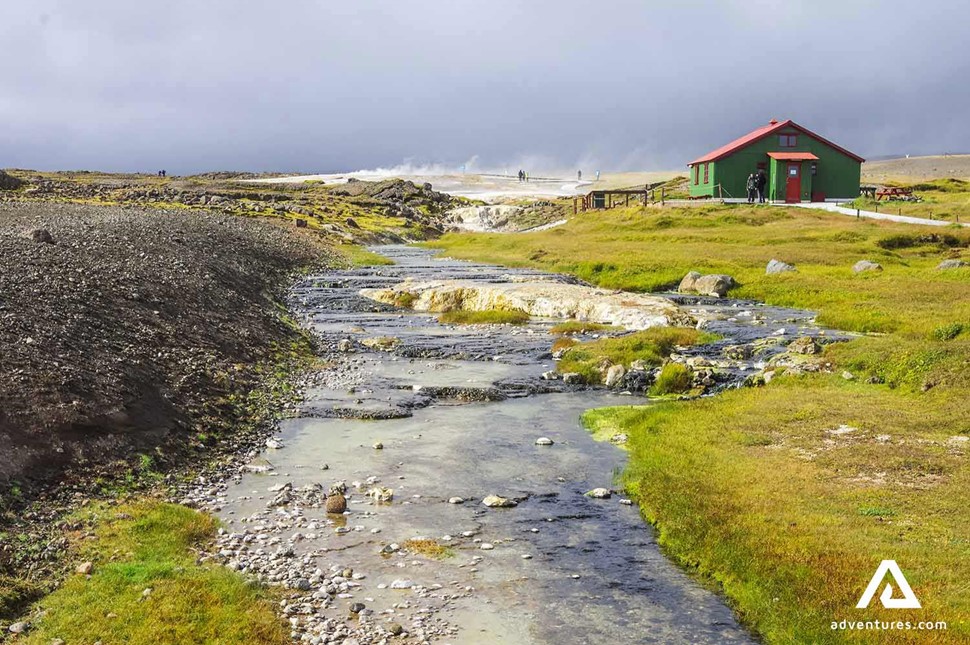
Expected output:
(600, 493)
(544, 441)
(633, 311)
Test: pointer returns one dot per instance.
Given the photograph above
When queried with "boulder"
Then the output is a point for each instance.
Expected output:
(19, 627)
(600, 493)
(951, 264)
(572, 378)
(85, 568)
(9, 182)
(688, 283)
(614, 375)
(804, 345)
(637, 380)
(738, 352)
(40, 235)
(544, 441)
(494, 501)
(865, 265)
(777, 266)
(336, 503)
(715, 284)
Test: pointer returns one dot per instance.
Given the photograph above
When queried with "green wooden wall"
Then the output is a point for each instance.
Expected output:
(838, 176)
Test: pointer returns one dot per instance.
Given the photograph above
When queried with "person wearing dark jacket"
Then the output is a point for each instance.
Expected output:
(752, 188)
(762, 182)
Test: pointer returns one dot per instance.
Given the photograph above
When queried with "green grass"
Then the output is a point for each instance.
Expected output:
(487, 317)
(651, 346)
(751, 492)
(748, 489)
(152, 545)
(571, 327)
(359, 256)
(674, 378)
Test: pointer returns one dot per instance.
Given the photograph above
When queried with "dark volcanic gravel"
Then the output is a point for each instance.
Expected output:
(119, 326)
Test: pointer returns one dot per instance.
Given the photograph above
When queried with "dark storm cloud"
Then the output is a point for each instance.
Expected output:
(325, 86)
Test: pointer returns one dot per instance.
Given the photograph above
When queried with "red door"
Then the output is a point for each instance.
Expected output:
(793, 187)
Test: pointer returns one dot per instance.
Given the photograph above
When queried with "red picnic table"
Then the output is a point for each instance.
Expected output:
(894, 192)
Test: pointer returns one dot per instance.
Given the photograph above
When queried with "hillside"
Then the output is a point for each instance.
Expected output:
(916, 169)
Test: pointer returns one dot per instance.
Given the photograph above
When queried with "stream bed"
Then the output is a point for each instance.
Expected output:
(456, 412)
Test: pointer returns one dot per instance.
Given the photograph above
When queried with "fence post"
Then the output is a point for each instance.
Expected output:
(857, 213)
(663, 196)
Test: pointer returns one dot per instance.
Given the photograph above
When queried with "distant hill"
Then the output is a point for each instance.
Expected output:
(914, 169)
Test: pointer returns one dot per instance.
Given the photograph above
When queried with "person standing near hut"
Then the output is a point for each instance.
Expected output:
(752, 188)
(762, 181)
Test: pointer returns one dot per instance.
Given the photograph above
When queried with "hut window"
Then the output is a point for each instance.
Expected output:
(697, 175)
(706, 173)
(788, 140)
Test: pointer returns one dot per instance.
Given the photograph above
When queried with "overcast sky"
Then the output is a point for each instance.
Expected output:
(329, 85)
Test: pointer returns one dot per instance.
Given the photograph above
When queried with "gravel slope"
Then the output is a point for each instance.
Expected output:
(119, 333)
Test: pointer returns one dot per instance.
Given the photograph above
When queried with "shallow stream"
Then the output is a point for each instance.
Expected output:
(457, 411)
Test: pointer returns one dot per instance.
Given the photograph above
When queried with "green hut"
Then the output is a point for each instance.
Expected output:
(801, 166)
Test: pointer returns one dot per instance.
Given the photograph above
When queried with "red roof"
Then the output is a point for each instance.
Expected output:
(793, 156)
(762, 132)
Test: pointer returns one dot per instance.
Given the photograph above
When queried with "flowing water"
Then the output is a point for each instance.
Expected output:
(458, 411)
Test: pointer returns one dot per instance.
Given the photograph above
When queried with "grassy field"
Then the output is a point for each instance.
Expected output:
(147, 588)
(787, 497)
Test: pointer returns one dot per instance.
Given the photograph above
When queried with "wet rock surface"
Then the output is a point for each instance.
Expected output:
(464, 527)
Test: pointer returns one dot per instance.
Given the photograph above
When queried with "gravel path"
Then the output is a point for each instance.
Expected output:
(835, 208)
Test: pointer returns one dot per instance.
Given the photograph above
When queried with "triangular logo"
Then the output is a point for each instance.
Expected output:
(908, 601)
